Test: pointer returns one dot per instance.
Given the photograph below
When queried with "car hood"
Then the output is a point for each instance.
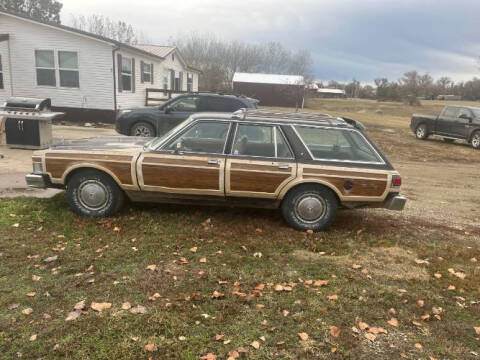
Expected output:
(103, 143)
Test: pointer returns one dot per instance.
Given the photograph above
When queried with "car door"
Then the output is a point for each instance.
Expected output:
(191, 163)
(445, 120)
(178, 110)
(260, 162)
(461, 123)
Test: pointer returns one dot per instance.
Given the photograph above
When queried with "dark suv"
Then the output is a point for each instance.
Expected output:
(156, 120)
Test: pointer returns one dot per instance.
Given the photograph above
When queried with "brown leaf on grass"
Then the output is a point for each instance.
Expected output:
(73, 315)
(209, 356)
(393, 322)
(377, 330)
(333, 297)
(278, 287)
(285, 313)
(139, 309)
(356, 266)
(182, 261)
(27, 311)
(416, 323)
(36, 277)
(152, 267)
(33, 337)
(260, 287)
(451, 287)
(362, 325)
(258, 230)
(335, 331)
(370, 336)
(333, 349)
(459, 274)
(203, 260)
(217, 295)
(79, 305)
(237, 283)
(116, 229)
(100, 306)
(233, 354)
(420, 303)
(126, 305)
(473, 260)
(150, 347)
(255, 344)
(319, 283)
(31, 294)
(477, 330)
(303, 336)
(437, 310)
(154, 296)
(218, 337)
(437, 275)
(425, 317)
(12, 306)
(392, 311)
(418, 346)
(193, 249)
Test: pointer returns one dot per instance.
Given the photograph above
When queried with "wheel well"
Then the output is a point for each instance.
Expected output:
(143, 120)
(80, 169)
(473, 133)
(315, 184)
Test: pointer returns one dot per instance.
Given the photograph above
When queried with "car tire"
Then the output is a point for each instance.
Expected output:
(476, 140)
(142, 129)
(94, 193)
(448, 140)
(421, 132)
(310, 207)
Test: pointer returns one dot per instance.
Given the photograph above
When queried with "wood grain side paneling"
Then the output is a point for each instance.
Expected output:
(361, 187)
(256, 181)
(122, 170)
(89, 157)
(343, 173)
(178, 162)
(181, 177)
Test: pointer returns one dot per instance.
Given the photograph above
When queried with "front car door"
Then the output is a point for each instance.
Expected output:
(260, 162)
(178, 110)
(461, 124)
(190, 163)
(446, 119)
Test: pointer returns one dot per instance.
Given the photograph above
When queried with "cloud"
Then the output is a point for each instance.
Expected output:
(347, 38)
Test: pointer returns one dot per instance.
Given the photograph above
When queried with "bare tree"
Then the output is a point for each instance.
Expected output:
(104, 26)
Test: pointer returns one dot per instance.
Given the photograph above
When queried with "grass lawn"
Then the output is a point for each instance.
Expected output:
(234, 280)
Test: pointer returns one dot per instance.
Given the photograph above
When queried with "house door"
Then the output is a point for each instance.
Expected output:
(261, 162)
(191, 163)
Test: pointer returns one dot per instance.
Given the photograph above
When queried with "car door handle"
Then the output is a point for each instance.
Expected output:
(284, 167)
(213, 161)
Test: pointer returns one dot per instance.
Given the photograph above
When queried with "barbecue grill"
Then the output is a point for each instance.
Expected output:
(28, 122)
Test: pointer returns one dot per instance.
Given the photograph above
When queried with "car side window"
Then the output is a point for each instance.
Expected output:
(260, 141)
(186, 104)
(203, 137)
(218, 104)
(450, 112)
(337, 145)
(464, 112)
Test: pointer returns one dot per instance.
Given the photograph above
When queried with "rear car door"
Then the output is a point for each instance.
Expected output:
(260, 162)
(445, 120)
(191, 163)
(460, 125)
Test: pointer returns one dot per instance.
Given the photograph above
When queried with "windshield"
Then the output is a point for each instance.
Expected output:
(476, 112)
(155, 143)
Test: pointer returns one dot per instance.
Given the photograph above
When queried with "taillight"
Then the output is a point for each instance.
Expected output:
(396, 181)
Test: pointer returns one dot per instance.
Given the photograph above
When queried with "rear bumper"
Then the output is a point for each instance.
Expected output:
(39, 181)
(395, 202)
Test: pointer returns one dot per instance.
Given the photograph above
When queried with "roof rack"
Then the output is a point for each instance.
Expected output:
(284, 115)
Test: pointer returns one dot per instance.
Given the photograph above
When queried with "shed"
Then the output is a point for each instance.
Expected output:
(271, 89)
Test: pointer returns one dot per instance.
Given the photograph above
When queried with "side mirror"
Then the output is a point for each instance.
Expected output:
(168, 110)
(466, 117)
(178, 147)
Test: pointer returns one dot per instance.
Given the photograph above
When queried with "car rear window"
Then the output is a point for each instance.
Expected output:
(337, 145)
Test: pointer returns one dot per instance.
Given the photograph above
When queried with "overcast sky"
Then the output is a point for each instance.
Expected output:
(361, 39)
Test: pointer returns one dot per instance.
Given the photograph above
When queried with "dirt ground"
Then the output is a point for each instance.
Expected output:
(440, 180)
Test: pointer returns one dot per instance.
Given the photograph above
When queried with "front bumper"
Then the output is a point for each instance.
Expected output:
(396, 202)
(38, 181)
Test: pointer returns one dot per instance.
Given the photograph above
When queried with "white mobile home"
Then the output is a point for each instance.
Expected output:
(87, 76)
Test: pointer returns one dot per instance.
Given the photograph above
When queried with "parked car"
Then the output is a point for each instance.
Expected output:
(307, 165)
(453, 123)
(154, 121)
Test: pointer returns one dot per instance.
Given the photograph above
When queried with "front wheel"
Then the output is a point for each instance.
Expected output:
(476, 140)
(310, 207)
(421, 132)
(142, 129)
(94, 193)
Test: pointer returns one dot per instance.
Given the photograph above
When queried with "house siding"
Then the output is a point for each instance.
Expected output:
(94, 63)
(5, 92)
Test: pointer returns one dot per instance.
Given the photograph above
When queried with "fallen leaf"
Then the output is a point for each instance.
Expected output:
(12, 306)
(437, 310)
(335, 331)
(31, 293)
(233, 354)
(126, 305)
(36, 277)
(218, 337)
(255, 344)
(182, 338)
(362, 325)
(425, 317)
(356, 266)
(451, 287)
(100, 306)
(303, 336)
(420, 303)
(437, 275)
(203, 260)
(392, 311)
(319, 283)
(139, 309)
(285, 313)
(73, 315)
(278, 287)
(260, 306)
(150, 347)
(116, 229)
(79, 305)
(377, 330)
(50, 259)
(477, 330)
(370, 336)
(418, 346)
(152, 267)
(257, 254)
(27, 311)
(217, 295)
(333, 349)
(258, 230)
(393, 322)
(209, 356)
(33, 337)
(193, 249)
(260, 287)
(333, 297)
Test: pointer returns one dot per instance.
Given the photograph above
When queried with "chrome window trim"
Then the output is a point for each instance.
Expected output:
(382, 162)
(276, 126)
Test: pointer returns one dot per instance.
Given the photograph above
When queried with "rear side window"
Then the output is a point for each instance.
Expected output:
(218, 104)
(260, 141)
(337, 145)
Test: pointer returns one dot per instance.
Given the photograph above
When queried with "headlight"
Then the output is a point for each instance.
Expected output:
(37, 167)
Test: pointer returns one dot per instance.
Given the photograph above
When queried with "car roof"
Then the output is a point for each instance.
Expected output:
(242, 98)
(283, 117)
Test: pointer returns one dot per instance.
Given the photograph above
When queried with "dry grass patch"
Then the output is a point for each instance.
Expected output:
(391, 262)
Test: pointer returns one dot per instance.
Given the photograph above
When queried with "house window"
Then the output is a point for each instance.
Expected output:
(126, 74)
(1, 73)
(45, 66)
(165, 81)
(189, 82)
(146, 72)
(68, 69)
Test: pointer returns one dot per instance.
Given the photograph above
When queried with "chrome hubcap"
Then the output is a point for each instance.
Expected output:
(92, 194)
(142, 131)
(420, 132)
(310, 208)
(476, 141)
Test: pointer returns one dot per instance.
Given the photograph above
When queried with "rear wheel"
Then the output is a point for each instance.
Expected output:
(309, 207)
(421, 132)
(93, 193)
(142, 129)
(476, 140)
